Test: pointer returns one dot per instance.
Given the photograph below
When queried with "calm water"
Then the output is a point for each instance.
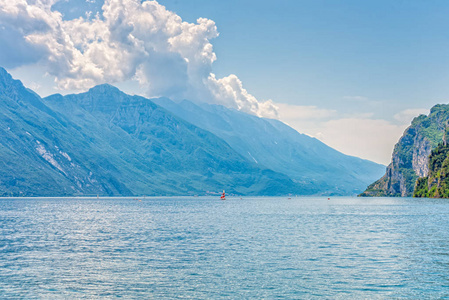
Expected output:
(240, 248)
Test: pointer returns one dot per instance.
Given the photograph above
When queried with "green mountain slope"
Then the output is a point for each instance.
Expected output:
(274, 145)
(436, 183)
(34, 156)
(109, 143)
(410, 159)
(177, 154)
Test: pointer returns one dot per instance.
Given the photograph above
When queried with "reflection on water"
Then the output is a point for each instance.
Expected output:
(239, 248)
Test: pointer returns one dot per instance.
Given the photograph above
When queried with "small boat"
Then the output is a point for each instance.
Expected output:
(223, 196)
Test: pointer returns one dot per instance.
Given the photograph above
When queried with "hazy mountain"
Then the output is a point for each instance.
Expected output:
(36, 147)
(107, 142)
(274, 145)
(410, 159)
(110, 143)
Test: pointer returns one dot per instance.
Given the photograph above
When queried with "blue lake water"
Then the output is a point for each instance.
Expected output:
(204, 248)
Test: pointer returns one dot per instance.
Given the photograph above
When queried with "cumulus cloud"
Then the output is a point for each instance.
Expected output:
(305, 119)
(15, 50)
(367, 138)
(406, 116)
(359, 135)
(229, 92)
(130, 39)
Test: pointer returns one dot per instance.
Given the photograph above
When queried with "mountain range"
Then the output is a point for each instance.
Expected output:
(274, 145)
(109, 143)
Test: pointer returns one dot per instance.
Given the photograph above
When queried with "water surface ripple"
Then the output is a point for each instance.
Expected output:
(204, 248)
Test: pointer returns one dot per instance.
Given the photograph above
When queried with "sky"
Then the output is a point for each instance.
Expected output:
(350, 73)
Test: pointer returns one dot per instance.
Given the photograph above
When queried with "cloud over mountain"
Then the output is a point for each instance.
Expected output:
(128, 40)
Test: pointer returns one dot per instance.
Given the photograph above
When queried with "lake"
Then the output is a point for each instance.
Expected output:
(204, 248)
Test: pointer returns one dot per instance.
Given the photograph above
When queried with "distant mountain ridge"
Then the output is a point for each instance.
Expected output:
(276, 146)
(410, 158)
(109, 143)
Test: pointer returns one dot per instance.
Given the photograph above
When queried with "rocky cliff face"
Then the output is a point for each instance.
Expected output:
(421, 154)
(410, 159)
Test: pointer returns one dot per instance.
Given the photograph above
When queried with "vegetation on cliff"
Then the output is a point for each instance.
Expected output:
(436, 184)
(410, 159)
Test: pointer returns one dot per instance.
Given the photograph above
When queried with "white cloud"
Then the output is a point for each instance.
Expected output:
(371, 139)
(406, 116)
(297, 112)
(35, 86)
(144, 42)
(305, 119)
(130, 40)
(360, 135)
(229, 92)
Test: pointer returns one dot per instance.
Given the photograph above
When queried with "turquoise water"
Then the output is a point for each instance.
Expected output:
(204, 248)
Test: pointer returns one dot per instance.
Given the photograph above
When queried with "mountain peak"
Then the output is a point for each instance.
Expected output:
(6, 78)
(104, 88)
(15, 89)
(3, 72)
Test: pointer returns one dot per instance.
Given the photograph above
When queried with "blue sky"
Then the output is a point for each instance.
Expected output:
(321, 51)
(351, 73)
